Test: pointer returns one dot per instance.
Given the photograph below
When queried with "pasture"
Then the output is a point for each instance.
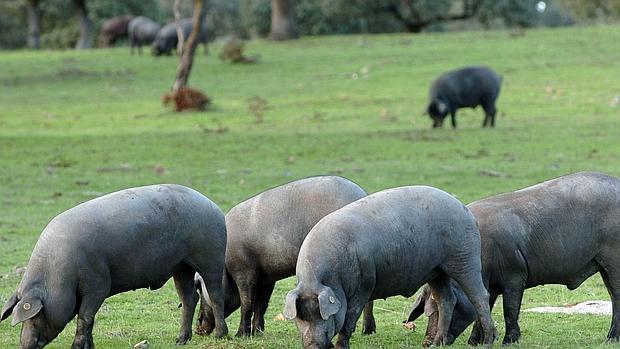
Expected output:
(76, 125)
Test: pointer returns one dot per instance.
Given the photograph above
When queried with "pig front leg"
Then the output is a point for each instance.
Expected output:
(445, 299)
(90, 303)
(354, 310)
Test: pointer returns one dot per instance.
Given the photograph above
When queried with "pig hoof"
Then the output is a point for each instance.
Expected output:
(242, 334)
(221, 332)
(183, 339)
(370, 327)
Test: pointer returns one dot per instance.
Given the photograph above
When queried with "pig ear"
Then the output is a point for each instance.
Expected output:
(441, 107)
(8, 307)
(26, 309)
(419, 305)
(430, 306)
(328, 303)
(290, 305)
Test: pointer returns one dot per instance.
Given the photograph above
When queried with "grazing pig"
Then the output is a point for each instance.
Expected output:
(386, 244)
(557, 232)
(466, 87)
(264, 236)
(113, 29)
(167, 38)
(142, 31)
(130, 239)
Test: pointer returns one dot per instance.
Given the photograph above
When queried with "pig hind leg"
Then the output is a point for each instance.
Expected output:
(369, 324)
(470, 280)
(489, 114)
(247, 285)
(212, 275)
(477, 335)
(263, 294)
(184, 283)
(610, 273)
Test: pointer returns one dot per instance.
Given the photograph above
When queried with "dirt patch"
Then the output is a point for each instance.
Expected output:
(587, 307)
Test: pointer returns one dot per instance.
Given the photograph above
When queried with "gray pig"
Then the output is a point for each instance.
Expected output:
(386, 244)
(142, 31)
(265, 233)
(557, 232)
(167, 38)
(130, 239)
(465, 87)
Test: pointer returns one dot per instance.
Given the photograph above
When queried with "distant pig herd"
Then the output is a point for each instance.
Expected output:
(345, 247)
(141, 31)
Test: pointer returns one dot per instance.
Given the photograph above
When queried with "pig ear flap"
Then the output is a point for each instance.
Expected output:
(442, 107)
(8, 307)
(290, 305)
(328, 303)
(26, 309)
(419, 305)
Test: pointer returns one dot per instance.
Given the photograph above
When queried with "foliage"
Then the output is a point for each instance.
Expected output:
(76, 125)
(12, 15)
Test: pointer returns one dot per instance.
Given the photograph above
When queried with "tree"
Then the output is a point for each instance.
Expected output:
(34, 14)
(187, 55)
(81, 12)
(283, 25)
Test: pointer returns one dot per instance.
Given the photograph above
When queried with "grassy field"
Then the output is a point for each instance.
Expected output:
(76, 125)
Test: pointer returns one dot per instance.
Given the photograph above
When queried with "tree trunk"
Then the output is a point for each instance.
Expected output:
(283, 25)
(33, 23)
(187, 56)
(81, 12)
(177, 20)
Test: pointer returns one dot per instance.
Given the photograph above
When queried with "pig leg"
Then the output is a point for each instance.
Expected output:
(453, 118)
(471, 283)
(184, 283)
(445, 299)
(260, 307)
(477, 334)
(212, 277)
(370, 326)
(512, 297)
(612, 282)
(489, 115)
(89, 305)
(354, 310)
(247, 294)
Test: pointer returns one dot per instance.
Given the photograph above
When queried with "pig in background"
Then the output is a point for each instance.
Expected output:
(166, 39)
(465, 87)
(141, 31)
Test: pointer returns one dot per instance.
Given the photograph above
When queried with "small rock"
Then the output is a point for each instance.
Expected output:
(142, 345)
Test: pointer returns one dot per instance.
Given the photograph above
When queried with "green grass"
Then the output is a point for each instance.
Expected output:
(75, 125)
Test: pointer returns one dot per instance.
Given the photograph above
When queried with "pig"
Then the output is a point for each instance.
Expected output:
(389, 243)
(265, 233)
(142, 31)
(113, 29)
(167, 38)
(465, 87)
(130, 239)
(561, 231)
